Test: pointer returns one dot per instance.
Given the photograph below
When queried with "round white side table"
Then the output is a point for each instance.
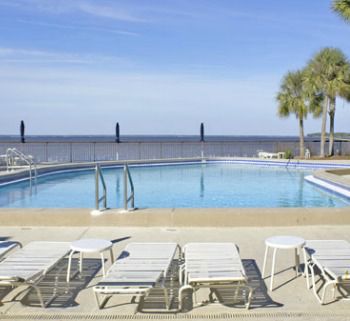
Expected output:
(85, 246)
(283, 243)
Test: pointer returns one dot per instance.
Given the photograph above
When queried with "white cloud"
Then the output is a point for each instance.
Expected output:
(27, 56)
(79, 27)
(121, 14)
(98, 9)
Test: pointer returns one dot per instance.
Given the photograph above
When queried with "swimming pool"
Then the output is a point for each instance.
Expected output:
(205, 185)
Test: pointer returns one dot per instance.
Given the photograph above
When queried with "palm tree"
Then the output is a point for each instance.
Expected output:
(296, 98)
(342, 7)
(328, 72)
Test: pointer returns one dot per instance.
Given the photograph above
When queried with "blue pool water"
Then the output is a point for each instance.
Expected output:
(199, 185)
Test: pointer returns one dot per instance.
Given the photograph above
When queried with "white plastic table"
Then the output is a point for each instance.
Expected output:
(283, 243)
(85, 246)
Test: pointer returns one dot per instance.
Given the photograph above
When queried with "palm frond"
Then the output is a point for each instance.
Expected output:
(342, 7)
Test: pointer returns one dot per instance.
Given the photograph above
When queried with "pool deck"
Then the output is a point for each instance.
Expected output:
(290, 300)
(177, 217)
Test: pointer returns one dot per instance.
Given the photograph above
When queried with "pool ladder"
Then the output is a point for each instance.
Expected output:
(15, 160)
(99, 177)
(127, 199)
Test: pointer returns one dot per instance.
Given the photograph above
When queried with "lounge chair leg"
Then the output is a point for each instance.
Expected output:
(181, 272)
(102, 304)
(140, 304)
(69, 265)
(323, 293)
(181, 290)
(195, 303)
(325, 288)
(320, 300)
(166, 298)
(97, 300)
(236, 293)
(306, 269)
(211, 293)
(81, 263)
(250, 295)
(38, 292)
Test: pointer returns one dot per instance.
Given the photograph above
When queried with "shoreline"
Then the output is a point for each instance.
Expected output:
(150, 138)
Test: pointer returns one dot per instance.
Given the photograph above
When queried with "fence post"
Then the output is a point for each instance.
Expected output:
(47, 152)
(71, 152)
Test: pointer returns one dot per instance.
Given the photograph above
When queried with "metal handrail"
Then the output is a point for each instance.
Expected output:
(10, 162)
(99, 177)
(131, 198)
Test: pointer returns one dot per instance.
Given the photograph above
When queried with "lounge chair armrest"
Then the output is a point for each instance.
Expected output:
(18, 243)
(11, 279)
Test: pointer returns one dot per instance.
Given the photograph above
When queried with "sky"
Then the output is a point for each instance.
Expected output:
(76, 67)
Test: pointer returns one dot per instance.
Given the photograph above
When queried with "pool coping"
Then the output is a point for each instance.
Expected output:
(177, 217)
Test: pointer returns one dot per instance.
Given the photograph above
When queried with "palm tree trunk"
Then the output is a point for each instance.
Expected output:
(301, 137)
(331, 126)
(323, 126)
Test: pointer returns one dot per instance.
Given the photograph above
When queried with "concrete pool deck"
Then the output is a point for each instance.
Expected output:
(177, 217)
(290, 300)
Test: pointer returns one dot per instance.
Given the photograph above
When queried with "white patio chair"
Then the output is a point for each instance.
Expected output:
(140, 268)
(213, 265)
(332, 258)
(7, 246)
(27, 266)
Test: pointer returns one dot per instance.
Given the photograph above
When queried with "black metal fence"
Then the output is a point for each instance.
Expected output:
(66, 152)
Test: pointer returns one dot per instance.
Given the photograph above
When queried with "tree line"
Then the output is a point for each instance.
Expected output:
(315, 88)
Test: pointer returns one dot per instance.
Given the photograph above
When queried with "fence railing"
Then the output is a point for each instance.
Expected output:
(67, 152)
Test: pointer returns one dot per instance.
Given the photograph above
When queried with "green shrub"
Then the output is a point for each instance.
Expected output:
(288, 154)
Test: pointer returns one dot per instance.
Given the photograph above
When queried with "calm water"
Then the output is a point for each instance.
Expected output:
(201, 185)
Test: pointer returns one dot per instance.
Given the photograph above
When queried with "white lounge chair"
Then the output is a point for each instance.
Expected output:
(27, 266)
(213, 265)
(332, 258)
(139, 268)
(7, 246)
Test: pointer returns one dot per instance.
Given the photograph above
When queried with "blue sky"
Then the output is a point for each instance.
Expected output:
(158, 66)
